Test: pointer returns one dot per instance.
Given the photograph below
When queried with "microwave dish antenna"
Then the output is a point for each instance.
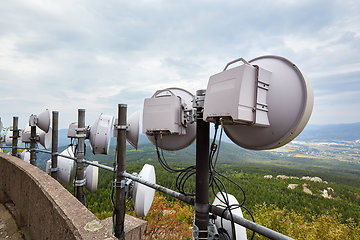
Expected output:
(264, 103)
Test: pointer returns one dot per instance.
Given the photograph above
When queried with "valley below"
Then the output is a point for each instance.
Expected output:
(313, 191)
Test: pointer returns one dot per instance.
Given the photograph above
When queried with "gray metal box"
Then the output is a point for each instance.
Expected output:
(238, 96)
(163, 113)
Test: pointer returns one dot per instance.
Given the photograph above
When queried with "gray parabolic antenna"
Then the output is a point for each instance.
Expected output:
(100, 134)
(290, 102)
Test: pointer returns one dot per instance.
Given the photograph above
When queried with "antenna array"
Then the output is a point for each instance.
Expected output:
(260, 104)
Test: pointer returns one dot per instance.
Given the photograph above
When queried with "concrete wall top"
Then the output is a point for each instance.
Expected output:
(43, 206)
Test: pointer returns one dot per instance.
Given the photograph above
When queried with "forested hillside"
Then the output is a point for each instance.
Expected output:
(271, 200)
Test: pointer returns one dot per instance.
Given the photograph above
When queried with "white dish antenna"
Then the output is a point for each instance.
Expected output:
(91, 176)
(240, 232)
(167, 114)
(100, 134)
(25, 155)
(132, 130)
(269, 108)
(9, 138)
(65, 166)
(143, 196)
(42, 120)
(45, 138)
(26, 134)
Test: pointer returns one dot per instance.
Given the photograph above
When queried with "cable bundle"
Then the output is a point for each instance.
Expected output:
(215, 183)
(183, 174)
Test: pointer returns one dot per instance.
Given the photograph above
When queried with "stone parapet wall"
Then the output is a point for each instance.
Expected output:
(43, 206)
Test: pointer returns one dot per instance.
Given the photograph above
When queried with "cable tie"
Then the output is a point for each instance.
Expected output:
(55, 154)
(213, 147)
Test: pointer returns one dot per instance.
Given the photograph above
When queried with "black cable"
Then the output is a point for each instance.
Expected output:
(231, 181)
(215, 182)
(183, 174)
(225, 235)
(180, 184)
(227, 203)
(112, 193)
(74, 186)
(214, 164)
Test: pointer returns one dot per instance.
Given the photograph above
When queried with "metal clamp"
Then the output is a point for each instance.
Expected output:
(82, 132)
(256, 93)
(188, 116)
(80, 183)
(80, 160)
(202, 208)
(129, 184)
(82, 135)
(54, 169)
(81, 129)
(120, 127)
(119, 185)
(260, 84)
(212, 233)
(36, 138)
(195, 232)
(198, 103)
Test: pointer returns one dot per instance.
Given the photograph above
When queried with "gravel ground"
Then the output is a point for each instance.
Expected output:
(8, 227)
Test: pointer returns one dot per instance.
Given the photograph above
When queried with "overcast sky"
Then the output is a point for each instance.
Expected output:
(64, 55)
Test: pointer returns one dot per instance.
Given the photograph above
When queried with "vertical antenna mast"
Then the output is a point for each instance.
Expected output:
(120, 180)
(15, 136)
(80, 176)
(33, 138)
(202, 169)
(54, 147)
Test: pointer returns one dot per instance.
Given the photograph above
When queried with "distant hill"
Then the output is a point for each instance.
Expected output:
(332, 132)
(311, 133)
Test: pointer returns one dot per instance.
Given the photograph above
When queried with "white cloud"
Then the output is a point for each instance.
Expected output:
(95, 54)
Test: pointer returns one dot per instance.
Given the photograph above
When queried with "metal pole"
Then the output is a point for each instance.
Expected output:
(80, 176)
(95, 164)
(111, 169)
(15, 136)
(33, 138)
(180, 196)
(202, 169)
(120, 179)
(54, 142)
